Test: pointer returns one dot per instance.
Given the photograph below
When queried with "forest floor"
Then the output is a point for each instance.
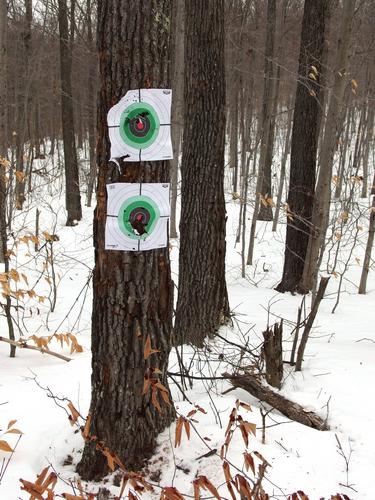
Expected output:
(337, 377)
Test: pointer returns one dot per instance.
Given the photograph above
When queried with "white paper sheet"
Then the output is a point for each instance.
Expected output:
(119, 196)
(160, 101)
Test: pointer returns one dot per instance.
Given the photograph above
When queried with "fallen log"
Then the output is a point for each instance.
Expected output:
(290, 409)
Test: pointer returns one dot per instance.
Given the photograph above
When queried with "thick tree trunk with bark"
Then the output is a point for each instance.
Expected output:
(72, 194)
(304, 144)
(133, 291)
(202, 295)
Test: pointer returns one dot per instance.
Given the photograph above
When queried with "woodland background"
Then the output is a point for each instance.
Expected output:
(50, 54)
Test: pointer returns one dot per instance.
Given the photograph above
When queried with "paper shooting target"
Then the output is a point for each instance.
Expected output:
(137, 216)
(140, 126)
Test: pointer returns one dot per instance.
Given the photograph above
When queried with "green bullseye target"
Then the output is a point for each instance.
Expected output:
(138, 212)
(137, 216)
(139, 125)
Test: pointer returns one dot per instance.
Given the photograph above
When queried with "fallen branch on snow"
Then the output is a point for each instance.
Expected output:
(290, 409)
(23, 345)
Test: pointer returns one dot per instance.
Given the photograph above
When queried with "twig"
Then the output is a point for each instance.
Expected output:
(264, 416)
(346, 458)
(310, 320)
(5, 465)
(180, 388)
(23, 345)
(296, 334)
(56, 399)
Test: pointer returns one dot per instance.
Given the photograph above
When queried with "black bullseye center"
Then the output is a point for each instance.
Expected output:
(140, 125)
(141, 215)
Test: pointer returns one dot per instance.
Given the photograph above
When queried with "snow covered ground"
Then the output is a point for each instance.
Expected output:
(337, 376)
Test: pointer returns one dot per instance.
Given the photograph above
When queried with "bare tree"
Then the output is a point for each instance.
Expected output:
(91, 103)
(265, 160)
(304, 143)
(202, 304)
(369, 245)
(320, 215)
(178, 30)
(72, 193)
(3, 125)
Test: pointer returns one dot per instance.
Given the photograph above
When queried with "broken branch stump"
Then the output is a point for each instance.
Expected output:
(273, 354)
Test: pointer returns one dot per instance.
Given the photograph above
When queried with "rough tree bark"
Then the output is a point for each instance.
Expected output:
(304, 143)
(72, 194)
(202, 295)
(133, 291)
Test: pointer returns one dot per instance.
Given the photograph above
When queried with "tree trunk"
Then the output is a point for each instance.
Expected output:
(369, 245)
(4, 258)
(72, 194)
(24, 106)
(345, 148)
(233, 145)
(265, 161)
(282, 170)
(202, 295)
(304, 144)
(3, 125)
(366, 152)
(320, 215)
(91, 107)
(178, 28)
(263, 211)
(133, 291)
